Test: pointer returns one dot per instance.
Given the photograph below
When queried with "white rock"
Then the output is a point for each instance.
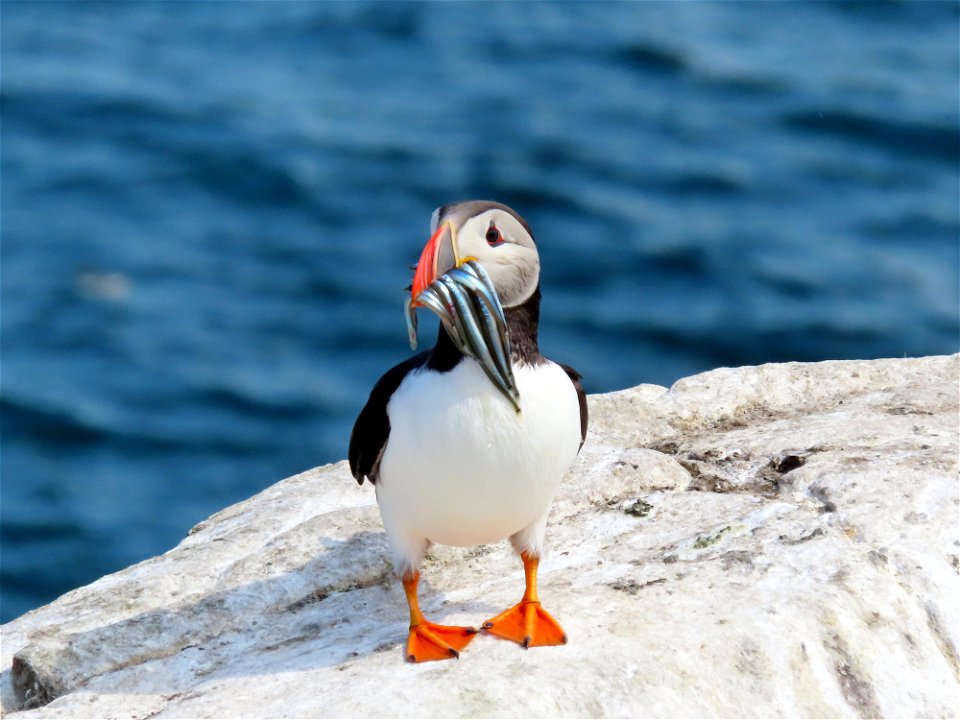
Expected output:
(771, 541)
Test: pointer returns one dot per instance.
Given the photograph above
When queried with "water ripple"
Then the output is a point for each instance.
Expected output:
(209, 213)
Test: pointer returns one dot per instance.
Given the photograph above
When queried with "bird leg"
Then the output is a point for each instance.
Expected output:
(427, 640)
(527, 622)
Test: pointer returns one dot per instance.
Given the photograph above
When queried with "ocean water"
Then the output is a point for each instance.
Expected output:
(209, 212)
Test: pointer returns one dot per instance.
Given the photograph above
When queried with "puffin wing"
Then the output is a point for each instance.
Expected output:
(372, 428)
(581, 396)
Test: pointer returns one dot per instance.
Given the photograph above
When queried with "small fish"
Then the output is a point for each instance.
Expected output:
(468, 307)
(479, 343)
(444, 307)
(410, 314)
(490, 312)
(501, 354)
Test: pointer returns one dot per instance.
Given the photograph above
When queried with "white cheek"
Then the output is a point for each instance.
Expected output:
(516, 273)
(470, 247)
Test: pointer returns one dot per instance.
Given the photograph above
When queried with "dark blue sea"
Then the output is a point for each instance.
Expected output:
(209, 212)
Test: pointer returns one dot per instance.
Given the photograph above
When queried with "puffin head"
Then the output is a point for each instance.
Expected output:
(490, 233)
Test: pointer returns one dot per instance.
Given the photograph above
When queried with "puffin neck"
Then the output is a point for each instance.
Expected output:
(445, 355)
(523, 323)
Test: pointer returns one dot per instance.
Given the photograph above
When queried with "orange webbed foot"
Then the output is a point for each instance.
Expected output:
(528, 624)
(429, 641)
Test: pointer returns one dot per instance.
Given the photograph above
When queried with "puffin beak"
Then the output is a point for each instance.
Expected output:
(437, 257)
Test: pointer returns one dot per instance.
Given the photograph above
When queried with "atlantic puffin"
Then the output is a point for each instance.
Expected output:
(451, 459)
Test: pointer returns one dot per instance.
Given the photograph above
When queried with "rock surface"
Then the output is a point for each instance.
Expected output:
(771, 541)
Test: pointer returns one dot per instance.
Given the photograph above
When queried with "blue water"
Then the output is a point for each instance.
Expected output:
(209, 212)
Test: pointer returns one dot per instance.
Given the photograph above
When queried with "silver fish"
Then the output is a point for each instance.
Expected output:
(489, 309)
(474, 277)
(468, 307)
(490, 312)
(441, 302)
(500, 349)
(438, 298)
(479, 343)
(410, 314)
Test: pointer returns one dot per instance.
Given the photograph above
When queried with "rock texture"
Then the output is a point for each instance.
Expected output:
(770, 541)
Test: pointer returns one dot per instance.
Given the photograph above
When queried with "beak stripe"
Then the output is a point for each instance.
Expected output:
(426, 270)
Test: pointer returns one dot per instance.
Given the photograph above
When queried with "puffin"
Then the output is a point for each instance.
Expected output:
(452, 460)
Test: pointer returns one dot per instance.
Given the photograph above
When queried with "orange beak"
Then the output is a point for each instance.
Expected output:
(438, 257)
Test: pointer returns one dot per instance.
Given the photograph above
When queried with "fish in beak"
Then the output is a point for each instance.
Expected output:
(462, 295)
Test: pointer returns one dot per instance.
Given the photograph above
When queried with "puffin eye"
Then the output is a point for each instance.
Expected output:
(493, 236)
